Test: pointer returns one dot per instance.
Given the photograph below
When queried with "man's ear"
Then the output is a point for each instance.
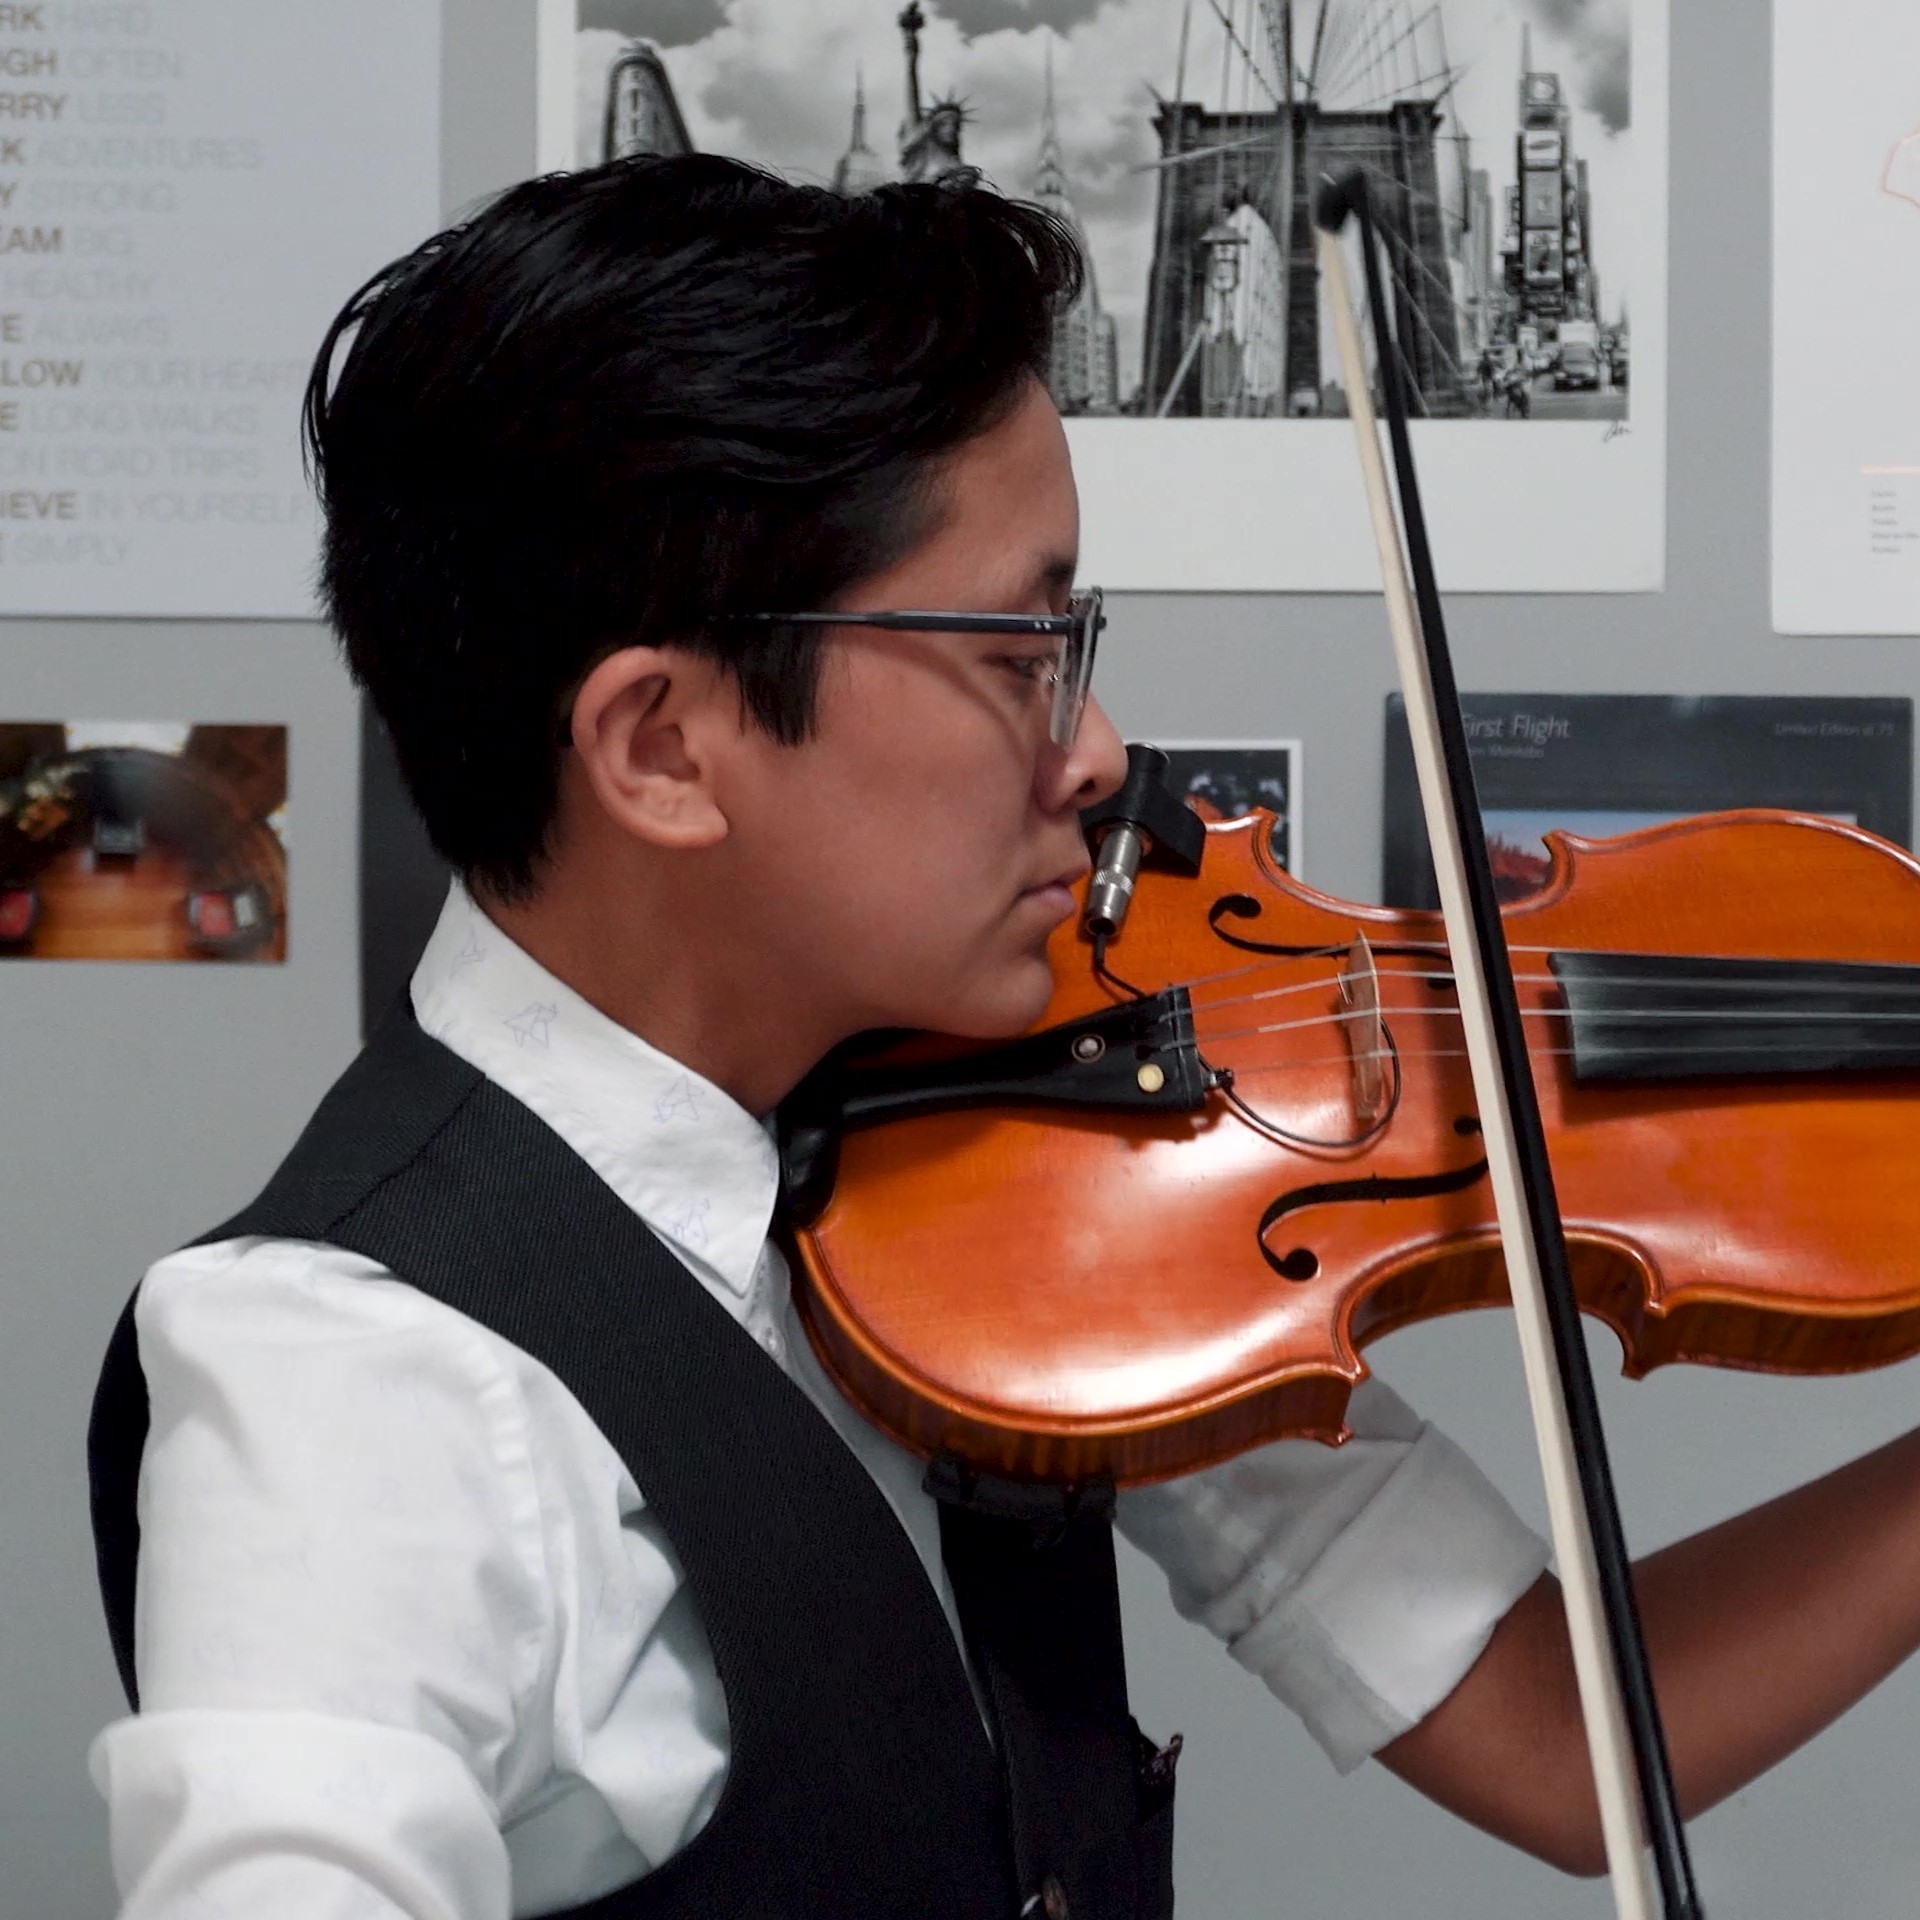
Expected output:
(643, 731)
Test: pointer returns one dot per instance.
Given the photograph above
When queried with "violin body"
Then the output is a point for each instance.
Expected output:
(1056, 1294)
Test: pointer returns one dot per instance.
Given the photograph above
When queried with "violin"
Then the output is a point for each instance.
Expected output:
(1161, 1229)
(1702, 1037)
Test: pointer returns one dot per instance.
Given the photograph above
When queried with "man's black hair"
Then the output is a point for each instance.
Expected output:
(615, 403)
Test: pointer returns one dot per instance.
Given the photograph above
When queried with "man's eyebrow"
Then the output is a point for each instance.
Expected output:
(1056, 570)
(1049, 574)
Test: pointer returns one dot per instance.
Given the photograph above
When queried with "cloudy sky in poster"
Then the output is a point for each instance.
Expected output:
(774, 82)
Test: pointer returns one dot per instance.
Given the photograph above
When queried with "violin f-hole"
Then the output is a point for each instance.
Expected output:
(1371, 1190)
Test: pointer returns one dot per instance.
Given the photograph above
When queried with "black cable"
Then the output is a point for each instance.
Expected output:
(1101, 971)
(1272, 1130)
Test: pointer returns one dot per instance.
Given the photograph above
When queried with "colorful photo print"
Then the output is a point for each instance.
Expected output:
(142, 840)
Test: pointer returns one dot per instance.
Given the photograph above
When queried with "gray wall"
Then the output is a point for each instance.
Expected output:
(142, 1103)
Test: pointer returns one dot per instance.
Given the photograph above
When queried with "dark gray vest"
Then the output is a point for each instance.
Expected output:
(861, 1784)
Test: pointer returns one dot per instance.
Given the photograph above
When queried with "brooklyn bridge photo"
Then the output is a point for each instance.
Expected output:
(1182, 140)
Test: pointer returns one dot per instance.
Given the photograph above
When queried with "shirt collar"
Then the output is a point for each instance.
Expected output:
(692, 1162)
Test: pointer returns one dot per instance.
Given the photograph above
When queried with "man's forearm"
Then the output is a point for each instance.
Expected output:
(1761, 1631)
(1766, 1628)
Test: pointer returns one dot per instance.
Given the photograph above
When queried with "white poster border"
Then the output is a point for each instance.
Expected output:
(1845, 486)
(1254, 506)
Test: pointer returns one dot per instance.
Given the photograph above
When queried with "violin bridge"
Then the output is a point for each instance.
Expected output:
(1366, 1035)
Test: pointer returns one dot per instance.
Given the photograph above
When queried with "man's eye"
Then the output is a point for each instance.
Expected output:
(1034, 668)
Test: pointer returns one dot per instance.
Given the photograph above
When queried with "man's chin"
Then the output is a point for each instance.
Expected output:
(1016, 1003)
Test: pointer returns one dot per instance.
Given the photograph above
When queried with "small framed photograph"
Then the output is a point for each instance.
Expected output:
(142, 840)
(1228, 779)
(1606, 764)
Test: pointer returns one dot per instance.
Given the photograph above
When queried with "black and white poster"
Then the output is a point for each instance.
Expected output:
(1518, 153)
(189, 191)
(1604, 764)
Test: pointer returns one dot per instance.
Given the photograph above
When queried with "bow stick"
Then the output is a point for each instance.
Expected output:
(1624, 1736)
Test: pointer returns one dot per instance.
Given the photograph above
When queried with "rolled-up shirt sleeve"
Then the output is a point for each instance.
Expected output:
(221, 1815)
(1359, 1582)
(340, 1603)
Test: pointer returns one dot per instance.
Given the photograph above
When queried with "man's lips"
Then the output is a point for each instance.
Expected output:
(1067, 880)
(1057, 895)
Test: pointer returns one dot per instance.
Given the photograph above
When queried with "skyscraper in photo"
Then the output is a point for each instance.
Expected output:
(1084, 376)
(859, 167)
(642, 114)
(1550, 271)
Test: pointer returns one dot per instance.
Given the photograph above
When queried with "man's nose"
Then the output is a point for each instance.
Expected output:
(1091, 769)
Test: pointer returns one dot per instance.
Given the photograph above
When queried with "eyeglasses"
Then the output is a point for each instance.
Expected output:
(1072, 671)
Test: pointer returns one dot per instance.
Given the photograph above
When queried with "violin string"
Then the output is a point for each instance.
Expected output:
(1262, 965)
(1399, 945)
(1391, 941)
(1780, 1015)
(1336, 981)
(1882, 987)
(1194, 984)
(1266, 993)
(1896, 988)
(1326, 1061)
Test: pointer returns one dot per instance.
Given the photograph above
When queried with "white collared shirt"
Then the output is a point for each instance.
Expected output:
(409, 1641)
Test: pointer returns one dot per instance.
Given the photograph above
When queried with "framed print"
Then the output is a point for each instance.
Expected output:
(1227, 779)
(1605, 764)
(142, 840)
(1519, 154)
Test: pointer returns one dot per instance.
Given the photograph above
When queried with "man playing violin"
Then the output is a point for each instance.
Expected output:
(414, 1634)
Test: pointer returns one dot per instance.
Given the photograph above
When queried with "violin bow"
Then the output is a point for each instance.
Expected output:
(1633, 1777)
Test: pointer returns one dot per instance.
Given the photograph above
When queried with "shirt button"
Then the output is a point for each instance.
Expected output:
(771, 1341)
